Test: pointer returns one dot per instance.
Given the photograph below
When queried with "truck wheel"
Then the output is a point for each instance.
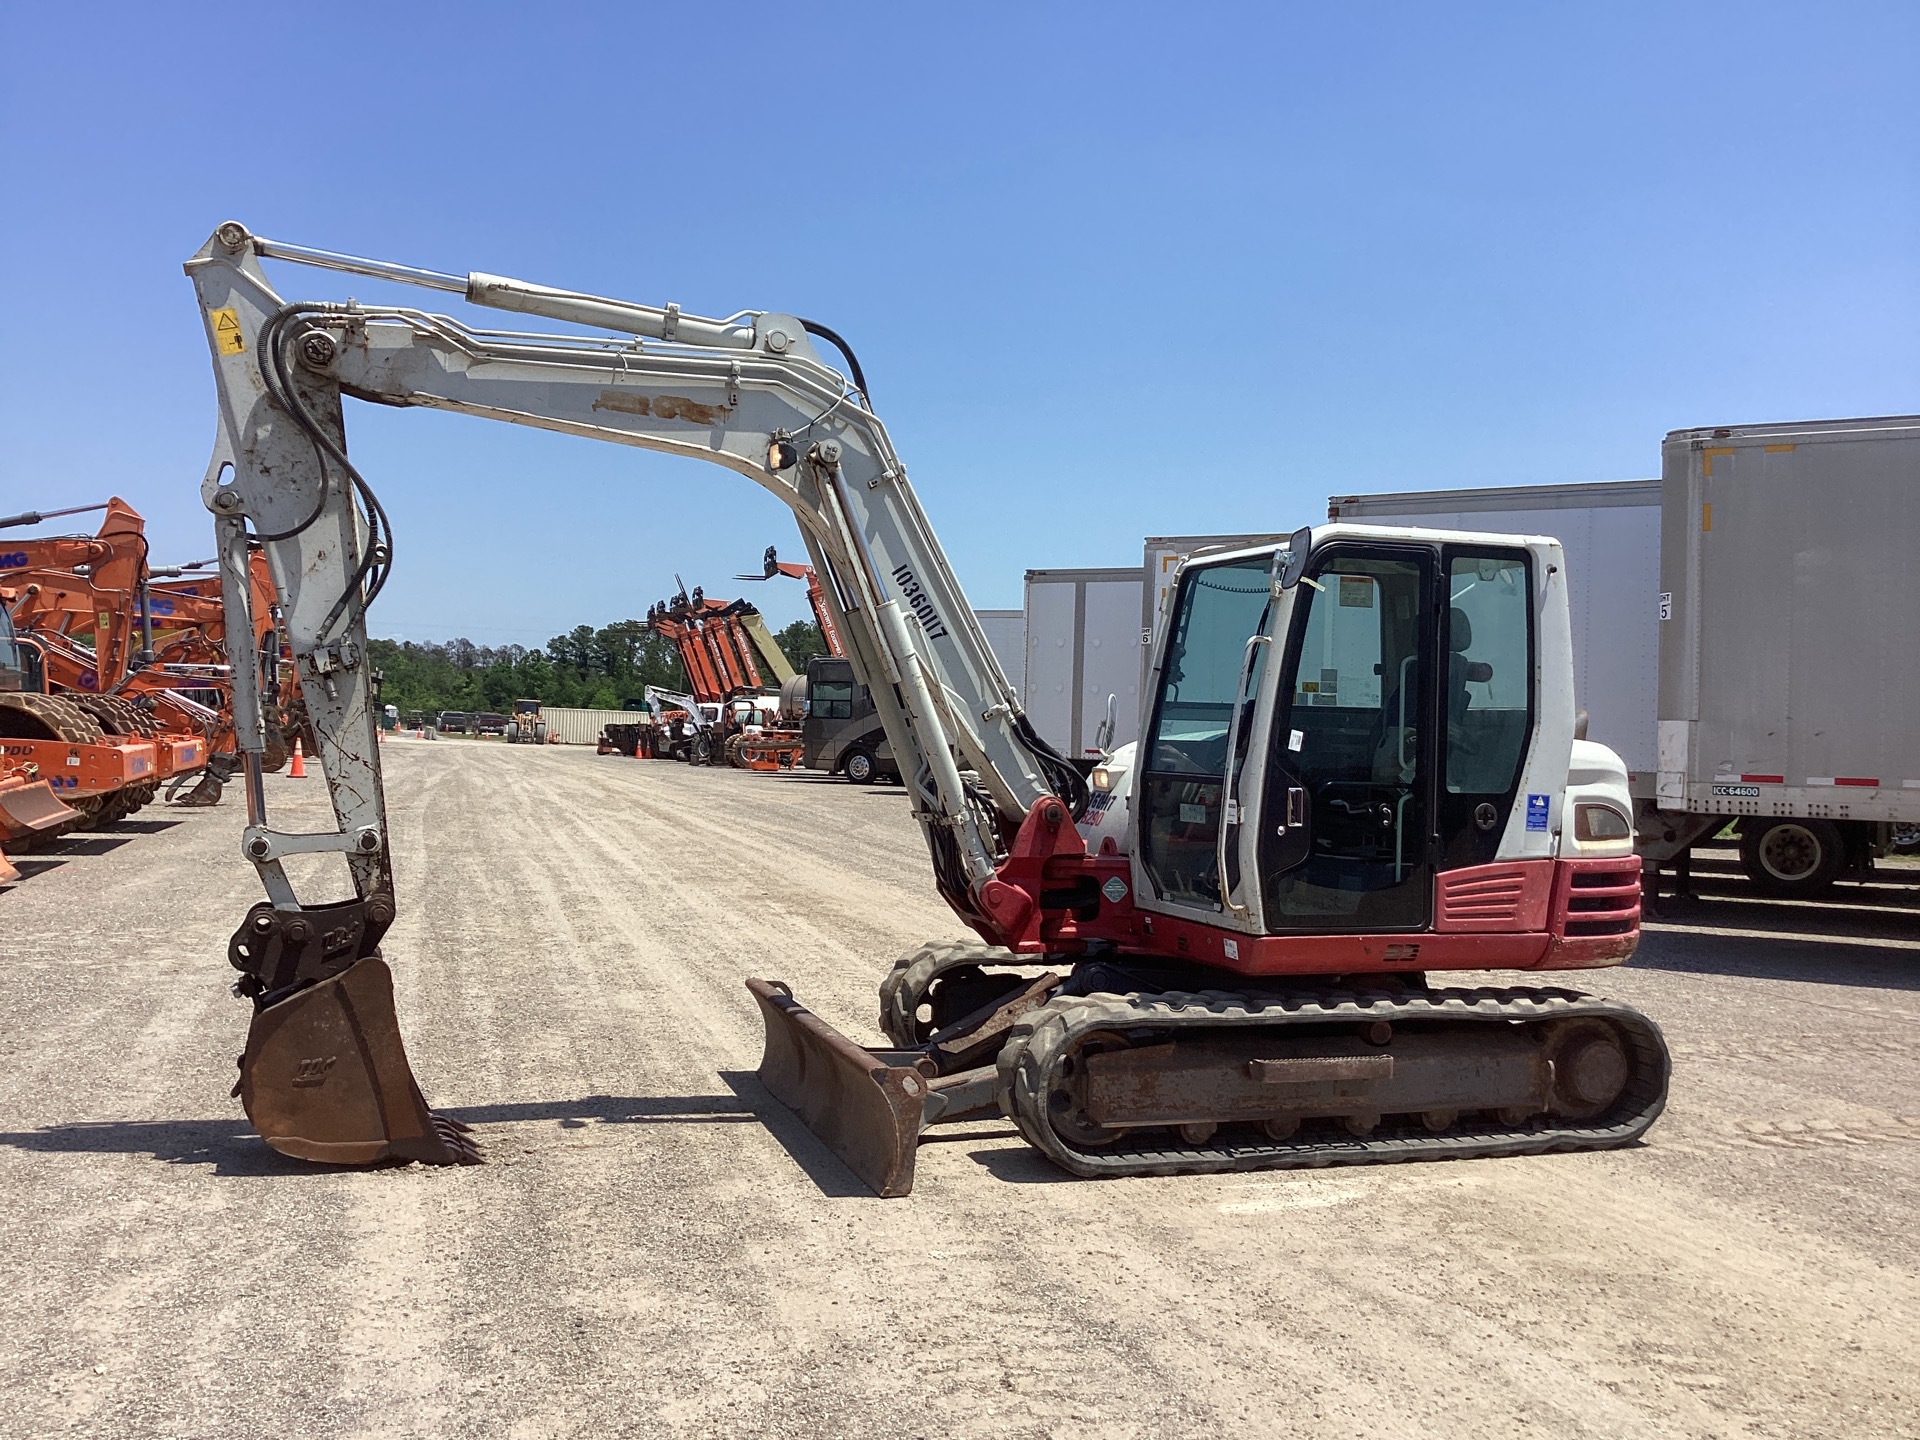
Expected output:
(859, 767)
(1792, 858)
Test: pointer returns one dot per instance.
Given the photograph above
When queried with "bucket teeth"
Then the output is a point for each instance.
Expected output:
(325, 1077)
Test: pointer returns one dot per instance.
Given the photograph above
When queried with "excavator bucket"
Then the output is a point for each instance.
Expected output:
(867, 1110)
(326, 1078)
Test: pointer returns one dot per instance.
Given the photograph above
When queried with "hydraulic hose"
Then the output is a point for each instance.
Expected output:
(853, 361)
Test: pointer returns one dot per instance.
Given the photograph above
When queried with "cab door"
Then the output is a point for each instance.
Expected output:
(1203, 713)
(1346, 821)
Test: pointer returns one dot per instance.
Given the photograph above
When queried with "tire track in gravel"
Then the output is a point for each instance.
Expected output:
(645, 1256)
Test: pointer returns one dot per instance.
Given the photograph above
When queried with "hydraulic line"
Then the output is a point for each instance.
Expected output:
(377, 560)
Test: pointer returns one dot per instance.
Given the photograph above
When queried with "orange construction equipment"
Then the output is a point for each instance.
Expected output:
(189, 640)
(732, 661)
(816, 595)
(29, 812)
(92, 604)
(724, 645)
(60, 757)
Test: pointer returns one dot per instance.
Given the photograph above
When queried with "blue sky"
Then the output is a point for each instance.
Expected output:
(1112, 270)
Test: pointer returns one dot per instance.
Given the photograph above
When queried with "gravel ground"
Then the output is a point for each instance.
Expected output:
(658, 1249)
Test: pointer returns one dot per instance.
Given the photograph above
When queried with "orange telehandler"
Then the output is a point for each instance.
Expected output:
(816, 594)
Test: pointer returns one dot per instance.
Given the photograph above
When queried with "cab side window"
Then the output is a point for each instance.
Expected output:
(1489, 685)
(1486, 701)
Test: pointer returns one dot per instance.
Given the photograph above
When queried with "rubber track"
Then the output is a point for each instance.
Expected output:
(1029, 1064)
(912, 976)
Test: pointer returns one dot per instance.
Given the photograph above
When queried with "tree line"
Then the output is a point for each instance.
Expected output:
(597, 669)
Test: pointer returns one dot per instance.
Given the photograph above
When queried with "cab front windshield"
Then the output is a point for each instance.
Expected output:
(1219, 608)
(10, 667)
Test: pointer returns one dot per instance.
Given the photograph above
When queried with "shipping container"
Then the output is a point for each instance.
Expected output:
(1083, 650)
(1610, 531)
(582, 727)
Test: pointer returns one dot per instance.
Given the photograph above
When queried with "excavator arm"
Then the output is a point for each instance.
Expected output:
(749, 393)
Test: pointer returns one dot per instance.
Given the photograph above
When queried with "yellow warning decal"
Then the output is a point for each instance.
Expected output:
(226, 332)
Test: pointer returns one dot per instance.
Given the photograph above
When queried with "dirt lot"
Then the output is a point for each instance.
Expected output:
(657, 1249)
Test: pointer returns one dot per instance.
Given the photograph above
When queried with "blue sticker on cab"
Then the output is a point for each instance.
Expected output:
(1536, 812)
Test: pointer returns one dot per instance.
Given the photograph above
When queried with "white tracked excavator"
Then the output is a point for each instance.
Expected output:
(1360, 768)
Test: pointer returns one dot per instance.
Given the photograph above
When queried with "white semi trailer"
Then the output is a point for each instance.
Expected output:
(1083, 668)
(1739, 630)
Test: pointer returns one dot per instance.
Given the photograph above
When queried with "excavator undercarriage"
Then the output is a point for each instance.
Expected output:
(1113, 1069)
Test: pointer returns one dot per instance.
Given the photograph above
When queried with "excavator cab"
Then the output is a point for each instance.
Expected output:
(22, 667)
(1335, 725)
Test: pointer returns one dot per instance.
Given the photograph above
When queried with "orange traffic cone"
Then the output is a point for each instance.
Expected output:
(298, 769)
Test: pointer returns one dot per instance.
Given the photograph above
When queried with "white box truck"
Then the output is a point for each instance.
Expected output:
(1083, 658)
(1740, 634)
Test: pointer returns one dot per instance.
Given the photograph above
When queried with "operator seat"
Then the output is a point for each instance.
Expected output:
(1459, 668)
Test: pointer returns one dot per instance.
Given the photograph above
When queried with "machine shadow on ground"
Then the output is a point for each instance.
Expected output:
(29, 867)
(142, 827)
(820, 1164)
(607, 1110)
(1812, 959)
(70, 846)
(230, 1147)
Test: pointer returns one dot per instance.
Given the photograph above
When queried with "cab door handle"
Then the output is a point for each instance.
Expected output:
(1296, 809)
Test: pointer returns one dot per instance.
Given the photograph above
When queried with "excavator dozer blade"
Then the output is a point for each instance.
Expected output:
(326, 1078)
(866, 1110)
(33, 809)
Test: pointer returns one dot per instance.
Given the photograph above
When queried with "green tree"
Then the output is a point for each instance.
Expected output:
(606, 668)
(800, 641)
